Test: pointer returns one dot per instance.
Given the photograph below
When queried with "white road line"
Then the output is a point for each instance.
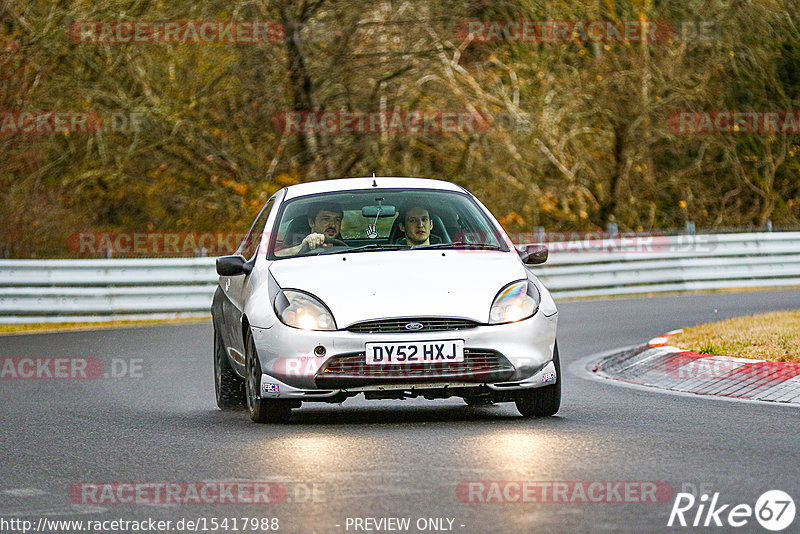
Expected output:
(24, 492)
(59, 510)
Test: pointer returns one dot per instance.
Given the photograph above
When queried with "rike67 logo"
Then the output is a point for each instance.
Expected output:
(774, 510)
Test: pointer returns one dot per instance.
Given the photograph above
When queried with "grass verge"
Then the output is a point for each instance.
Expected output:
(772, 336)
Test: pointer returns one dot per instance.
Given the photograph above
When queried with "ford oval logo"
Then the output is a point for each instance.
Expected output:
(414, 326)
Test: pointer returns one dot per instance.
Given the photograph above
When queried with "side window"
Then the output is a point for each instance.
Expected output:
(250, 244)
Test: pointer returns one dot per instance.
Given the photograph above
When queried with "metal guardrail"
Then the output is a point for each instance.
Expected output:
(103, 290)
(674, 263)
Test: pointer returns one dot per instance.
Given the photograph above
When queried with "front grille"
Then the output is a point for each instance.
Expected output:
(429, 324)
(351, 370)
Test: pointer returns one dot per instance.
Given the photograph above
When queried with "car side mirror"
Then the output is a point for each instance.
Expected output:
(233, 265)
(532, 254)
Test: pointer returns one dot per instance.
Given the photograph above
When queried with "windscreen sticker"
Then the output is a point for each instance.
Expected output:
(372, 229)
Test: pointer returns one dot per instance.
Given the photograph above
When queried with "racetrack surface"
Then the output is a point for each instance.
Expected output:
(391, 458)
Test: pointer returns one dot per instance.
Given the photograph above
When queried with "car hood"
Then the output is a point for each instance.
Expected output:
(410, 283)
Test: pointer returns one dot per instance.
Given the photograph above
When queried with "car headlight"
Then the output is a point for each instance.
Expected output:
(304, 311)
(515, 302)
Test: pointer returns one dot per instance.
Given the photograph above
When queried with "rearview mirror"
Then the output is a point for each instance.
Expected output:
(376, 211)
(532, 254)
(233, 265)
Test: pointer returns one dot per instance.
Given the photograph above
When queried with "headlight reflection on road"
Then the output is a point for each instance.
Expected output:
(311, 454)
(512, 450)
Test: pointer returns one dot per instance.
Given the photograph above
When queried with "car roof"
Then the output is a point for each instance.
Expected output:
(384, 182)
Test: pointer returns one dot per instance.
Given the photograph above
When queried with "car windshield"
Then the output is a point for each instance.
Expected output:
(382, 219)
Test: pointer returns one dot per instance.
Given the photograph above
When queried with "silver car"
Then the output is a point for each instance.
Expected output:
(390, 288)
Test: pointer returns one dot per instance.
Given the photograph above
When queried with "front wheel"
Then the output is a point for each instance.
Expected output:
(228, 386)
(544, 401)
(260, 410)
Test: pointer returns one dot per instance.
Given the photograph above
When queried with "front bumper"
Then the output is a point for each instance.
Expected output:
(290, 368)
(273, 388)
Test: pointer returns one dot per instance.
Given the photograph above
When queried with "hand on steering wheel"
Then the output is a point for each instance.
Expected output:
(319, 240)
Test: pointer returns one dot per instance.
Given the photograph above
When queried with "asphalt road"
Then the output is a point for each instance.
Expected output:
(381, 459)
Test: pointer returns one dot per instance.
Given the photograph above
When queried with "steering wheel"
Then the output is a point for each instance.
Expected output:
(335, 242)
(328, 241)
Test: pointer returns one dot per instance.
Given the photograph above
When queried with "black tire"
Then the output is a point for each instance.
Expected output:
(544, 401)
(260, 410)
(228, 386)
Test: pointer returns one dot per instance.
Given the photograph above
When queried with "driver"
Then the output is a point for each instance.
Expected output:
(325, 221)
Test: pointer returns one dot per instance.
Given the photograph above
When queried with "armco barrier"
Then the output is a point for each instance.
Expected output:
(676, 263)
(101, 290)
(104, 290)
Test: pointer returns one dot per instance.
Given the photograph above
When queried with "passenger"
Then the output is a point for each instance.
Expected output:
(416, 224)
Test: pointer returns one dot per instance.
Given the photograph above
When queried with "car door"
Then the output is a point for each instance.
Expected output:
(235, 287)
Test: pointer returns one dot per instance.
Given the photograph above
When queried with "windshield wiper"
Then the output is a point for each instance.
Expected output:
(371, 246)
(461, 244)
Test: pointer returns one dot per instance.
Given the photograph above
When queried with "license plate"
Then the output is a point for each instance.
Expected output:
(445, 351)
